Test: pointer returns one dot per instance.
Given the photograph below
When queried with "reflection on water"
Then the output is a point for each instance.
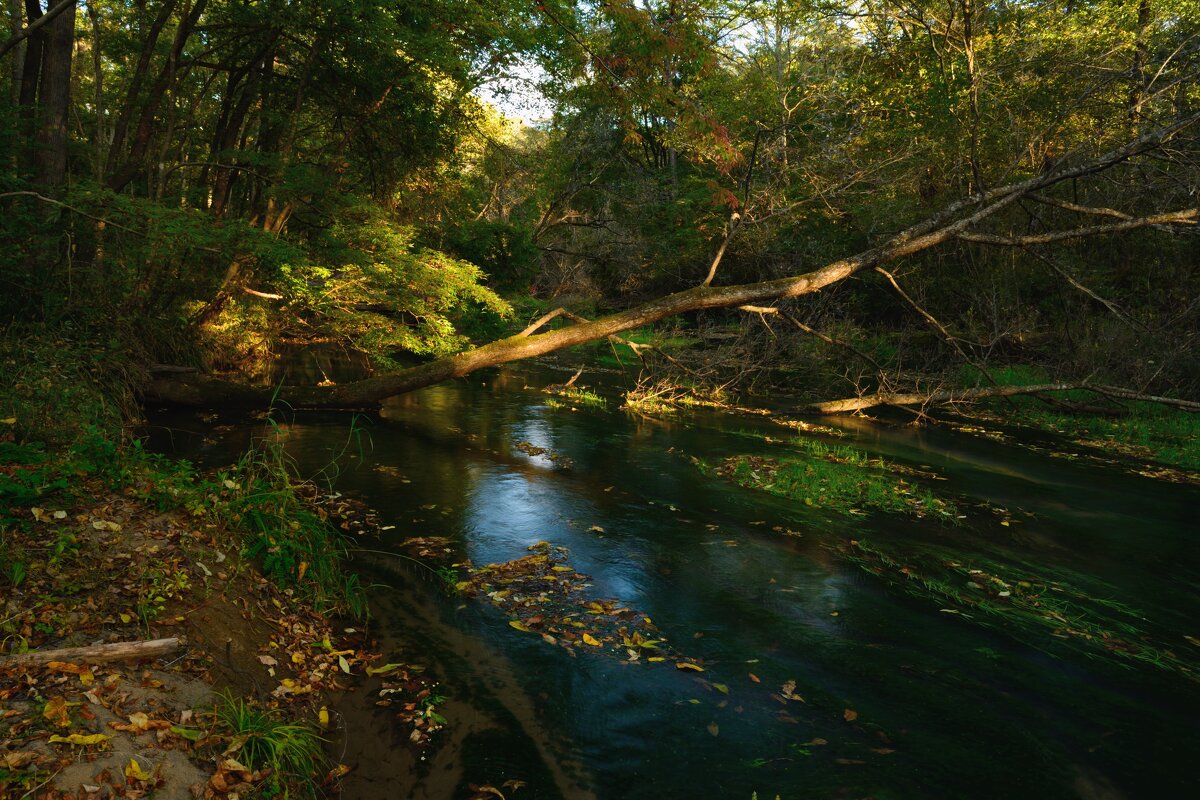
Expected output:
(900, 699)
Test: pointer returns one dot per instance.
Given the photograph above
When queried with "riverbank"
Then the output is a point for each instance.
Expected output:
(237, 576)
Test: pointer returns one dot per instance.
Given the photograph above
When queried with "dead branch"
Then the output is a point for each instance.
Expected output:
(1117, 312)
(813, 332)
(966, 395)
(98, 653)
(1185, 217)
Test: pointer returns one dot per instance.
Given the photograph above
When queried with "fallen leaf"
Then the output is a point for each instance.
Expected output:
(386, 669)
(135, 771)
(191, 734)
(81, 739)
(55, 710)
(849, 715)
(754, 678)
(516, 623)
(592, 640)
(689, 665)
(713, 728)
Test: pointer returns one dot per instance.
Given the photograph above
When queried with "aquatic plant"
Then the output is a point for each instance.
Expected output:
(1029, 601)
(837, 478)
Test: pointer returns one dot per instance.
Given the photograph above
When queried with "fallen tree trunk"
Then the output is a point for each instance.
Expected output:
(851, 404)
(98, 653)
(953, 222)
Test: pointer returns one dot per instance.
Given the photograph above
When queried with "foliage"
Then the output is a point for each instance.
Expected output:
(384, 292)
(296, 546)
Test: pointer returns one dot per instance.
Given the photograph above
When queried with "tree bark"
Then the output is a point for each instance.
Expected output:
(54, 99)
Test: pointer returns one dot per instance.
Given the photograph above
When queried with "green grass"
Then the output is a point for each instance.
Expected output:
(582, 397)
(292, 751)
(837, 478)
(262, 497)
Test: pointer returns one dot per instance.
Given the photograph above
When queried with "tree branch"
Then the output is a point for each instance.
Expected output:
(1185, 217)
(25, 32)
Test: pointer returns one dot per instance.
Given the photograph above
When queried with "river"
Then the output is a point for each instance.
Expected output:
(901, 697)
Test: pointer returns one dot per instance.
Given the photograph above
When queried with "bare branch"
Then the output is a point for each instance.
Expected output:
(1121, 315)
(1185, 217)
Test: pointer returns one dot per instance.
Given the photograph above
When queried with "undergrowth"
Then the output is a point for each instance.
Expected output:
(291, 751)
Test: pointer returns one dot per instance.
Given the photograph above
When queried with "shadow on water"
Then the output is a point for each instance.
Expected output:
(899, 698)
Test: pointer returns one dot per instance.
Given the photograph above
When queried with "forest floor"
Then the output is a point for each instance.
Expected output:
(241, 705)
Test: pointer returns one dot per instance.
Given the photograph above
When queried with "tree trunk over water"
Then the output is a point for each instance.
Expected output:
(953, 222)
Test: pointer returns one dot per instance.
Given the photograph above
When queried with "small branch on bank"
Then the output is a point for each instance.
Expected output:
(263, 295)
(98, 653)
(851, 404)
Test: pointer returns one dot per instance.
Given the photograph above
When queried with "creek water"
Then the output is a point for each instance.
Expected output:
(747, 583)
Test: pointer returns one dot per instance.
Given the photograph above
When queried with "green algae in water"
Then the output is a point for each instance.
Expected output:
(1027, 601)
(837, 478)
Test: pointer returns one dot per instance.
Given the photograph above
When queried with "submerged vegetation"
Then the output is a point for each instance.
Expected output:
(838, 478)
(1030, 601)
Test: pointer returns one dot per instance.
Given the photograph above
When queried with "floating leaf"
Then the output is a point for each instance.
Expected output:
(720, 687)
(713, 728)
(754, 677)
(592, 640)
(849, 715)
(689, 665)
(344, 664)
(323, 717)
(386, 669)
(516, 623)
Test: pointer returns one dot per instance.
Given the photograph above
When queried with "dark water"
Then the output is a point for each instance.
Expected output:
(945, 707)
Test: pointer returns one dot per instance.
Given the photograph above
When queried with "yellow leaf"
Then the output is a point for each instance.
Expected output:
(592, 640)
(344, 664)
(80, 739)
(9, 421)
(126, 618)
(87, 678)
(516, 623)
(323, 717)
(55, 710)
(66, 666)
(303, 569)
(135, 771)
(687, 665)
(297, 658)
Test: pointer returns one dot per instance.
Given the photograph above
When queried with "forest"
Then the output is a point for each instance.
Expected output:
(968, 219)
